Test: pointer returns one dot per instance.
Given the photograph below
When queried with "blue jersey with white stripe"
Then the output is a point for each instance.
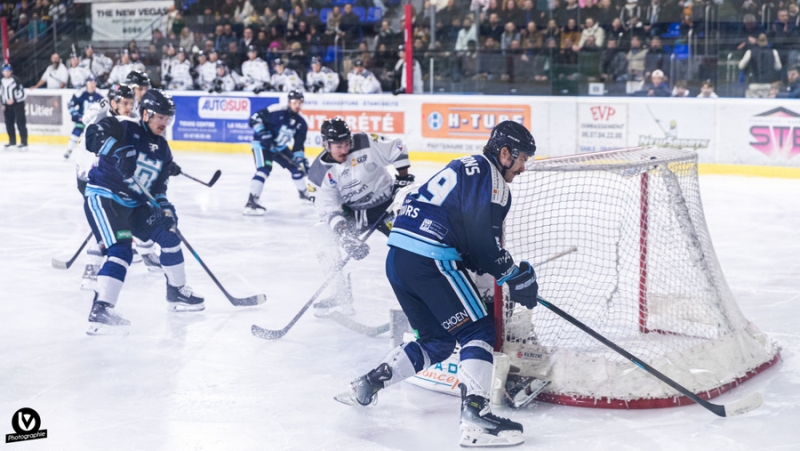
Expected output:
(153, 160)
(458, 215)
(81, 101)
(277, 128)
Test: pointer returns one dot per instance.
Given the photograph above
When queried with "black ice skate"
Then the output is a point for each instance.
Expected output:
(181, 299)
(364, 390)
(342, 297)
(253, 208)
(152, 262)
(306, 196)
(103, 320)
(480, 428)
(89, 278)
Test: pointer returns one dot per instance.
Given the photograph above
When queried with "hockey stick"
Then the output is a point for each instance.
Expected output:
(269, 334)
(556, 256)
(238, 302)
(210, 183)
(744, 405)
(58, 264)
(355, 326)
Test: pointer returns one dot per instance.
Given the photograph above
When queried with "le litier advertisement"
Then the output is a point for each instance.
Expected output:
(216, 118)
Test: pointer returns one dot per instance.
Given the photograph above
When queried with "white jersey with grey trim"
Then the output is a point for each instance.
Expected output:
(119, 73)
(206, 73)
(329, 79)
(85, 160)
(362, 181)
(287, 81)
(77, 77)
(255, 73)
(97, 64)
(181, 76)
(365, 83)
(228, 82)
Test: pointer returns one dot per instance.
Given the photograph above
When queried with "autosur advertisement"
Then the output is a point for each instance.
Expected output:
(216, 118)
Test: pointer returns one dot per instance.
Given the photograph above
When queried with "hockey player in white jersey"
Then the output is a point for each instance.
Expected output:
(167, 61)
(136, 64)
(285, 79)
(180, 77)
(224, 82)
(77, 73)
(255, 72)
(321, 78)
(98, 64)
(121, 70)
(362, 81)
(139, 82)
(354, 189)
(206, 71)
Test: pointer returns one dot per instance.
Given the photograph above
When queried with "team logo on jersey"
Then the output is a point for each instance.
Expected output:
(455, 320)
(331, 181)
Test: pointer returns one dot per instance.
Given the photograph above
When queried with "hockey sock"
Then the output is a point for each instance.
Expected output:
(95, 253)
(171, 257)
(73, 141)
(257, 185)
(475, 368)
(406, 360)
(301, 184)
(112, 275)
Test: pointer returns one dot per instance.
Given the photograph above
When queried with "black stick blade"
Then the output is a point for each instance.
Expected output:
(214, 178)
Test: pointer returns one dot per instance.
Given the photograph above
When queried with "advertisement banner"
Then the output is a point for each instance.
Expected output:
(459, 121)
(602, 126)
(382, 115)
(127, 20)
(763, 133)
(44, 110)
(675, 125)
(219, 118)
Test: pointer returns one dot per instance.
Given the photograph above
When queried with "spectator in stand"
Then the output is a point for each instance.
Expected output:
(232, 58)
(592, 29)
(509, 34)
(228, 10)
(761, 62)
(616, 32)
(513, 14)
(268, 18)
(792, 90)
(613, 63)
(227, 37)
(121, 70)
(157, 38)
(185, 39)
(636, 59)
(707, 91)
(152, 57)
(570, 33)
(636, 29)
(247, 39)
(77, 74)
(365, 56)
(219, 31)
(530, 13)
(794, 15)
(631, 9)
(387, 36)
(532, 40)
(569, 11)
(775, 90)
(334, 21)
(656, 88)
(782, 33)
(589, 9)
(552, 31)
(656, 58)
(299, 34)
(56, 76)
(605, 14)
(651, 18)
(748, 33)
(350, 23)
(494, 29)
(493, 8)
(57, 11)
(686, 25)
(243, 11)
(681, 89)
(276, 39)
(261, 41)
(362, 81)
(468, 60)
(468, 32)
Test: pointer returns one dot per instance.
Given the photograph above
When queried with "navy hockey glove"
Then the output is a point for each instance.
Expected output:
(522, 287)
(355, 248)
(174, 169)
(302, 162)
(126, 161)
(168, 217)
(401, 181)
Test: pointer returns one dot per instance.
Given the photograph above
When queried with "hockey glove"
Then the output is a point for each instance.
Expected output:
(169, 218)
(348, 237)
(302, 162)
(522, 286)
(167, 78)
(401, 181)
(257, 91)
(126, 161)
(319, 86)
(174, 169)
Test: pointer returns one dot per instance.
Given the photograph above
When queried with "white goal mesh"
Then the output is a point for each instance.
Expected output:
(622, 245)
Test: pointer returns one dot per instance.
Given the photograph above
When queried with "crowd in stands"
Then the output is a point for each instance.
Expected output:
(28, 19)
(256, 45)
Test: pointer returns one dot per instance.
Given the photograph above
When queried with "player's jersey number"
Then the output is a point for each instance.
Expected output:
(439, 187)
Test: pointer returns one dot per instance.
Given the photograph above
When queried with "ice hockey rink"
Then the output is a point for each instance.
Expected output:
(196, 381)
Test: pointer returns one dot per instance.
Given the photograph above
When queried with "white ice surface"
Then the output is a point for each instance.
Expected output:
(202, 381)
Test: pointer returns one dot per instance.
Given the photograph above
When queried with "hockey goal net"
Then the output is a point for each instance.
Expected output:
(621, 244)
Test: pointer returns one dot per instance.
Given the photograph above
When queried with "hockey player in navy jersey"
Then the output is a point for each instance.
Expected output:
(79, 104)
(274, 128)
(120, 210)
(452, 223)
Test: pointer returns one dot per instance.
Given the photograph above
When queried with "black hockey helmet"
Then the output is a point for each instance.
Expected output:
(512, 135)
(156, 101)
(295, 94)
(117, 92)
(138, 78)
(335, 130)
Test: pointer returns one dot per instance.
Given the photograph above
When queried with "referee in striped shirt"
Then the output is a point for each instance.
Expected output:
(12, 94)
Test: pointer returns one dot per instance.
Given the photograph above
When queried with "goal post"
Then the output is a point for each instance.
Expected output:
(643, 274)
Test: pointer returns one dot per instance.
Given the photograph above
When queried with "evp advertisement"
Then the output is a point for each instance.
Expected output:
(216, 118)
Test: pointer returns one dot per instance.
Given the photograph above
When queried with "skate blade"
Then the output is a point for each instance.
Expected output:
(476, 438)
(155, 269)
(346, 399)
(249, 212)
(524, 398)
(105, 329)
(178, 307)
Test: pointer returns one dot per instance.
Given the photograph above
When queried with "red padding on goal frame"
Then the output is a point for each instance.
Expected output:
(659, 403)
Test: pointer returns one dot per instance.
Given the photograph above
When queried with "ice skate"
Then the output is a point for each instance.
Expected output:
(152, 262)
(342, 298)
(521, 391)
(137, 258)
(253, 208)
(181, 299)
(305, 195)
(103, 320)
(363, 391)
(8, 146)
(89, 278)
(480, 428)
(22, 147)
